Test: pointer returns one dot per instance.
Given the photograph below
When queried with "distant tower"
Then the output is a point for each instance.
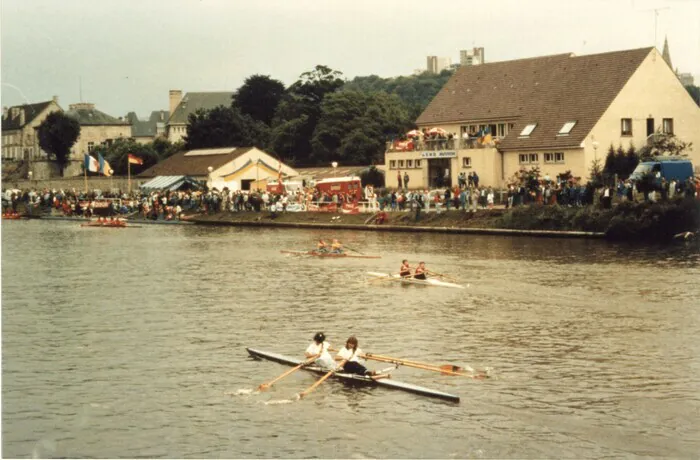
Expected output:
(666, 53)
(474, 56)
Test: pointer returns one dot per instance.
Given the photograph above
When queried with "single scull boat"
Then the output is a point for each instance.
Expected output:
(427, 282)
(329, 254)
(353, 378)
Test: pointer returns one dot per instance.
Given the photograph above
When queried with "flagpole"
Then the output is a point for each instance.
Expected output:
(129, 174)
(85, 172)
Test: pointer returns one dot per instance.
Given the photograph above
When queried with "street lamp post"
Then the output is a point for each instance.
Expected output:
(30, 174)
(335, 165)
(595, 150)
(210, 183)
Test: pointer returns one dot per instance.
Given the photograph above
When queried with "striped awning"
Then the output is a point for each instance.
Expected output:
(169, 183)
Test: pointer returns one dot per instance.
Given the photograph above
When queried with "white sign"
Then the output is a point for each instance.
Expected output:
(438, 154)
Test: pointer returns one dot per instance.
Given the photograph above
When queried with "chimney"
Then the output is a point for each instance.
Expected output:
(21, 117)
(5, 110)
(14, 111)
(175, 98)
(55, 99)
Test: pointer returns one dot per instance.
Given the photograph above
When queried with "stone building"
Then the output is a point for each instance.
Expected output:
(181, 108)
(19, 129)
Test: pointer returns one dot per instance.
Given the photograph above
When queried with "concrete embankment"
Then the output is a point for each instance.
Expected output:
(446, 222)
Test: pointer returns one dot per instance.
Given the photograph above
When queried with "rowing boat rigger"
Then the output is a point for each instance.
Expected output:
(352, 378)
(409, 280)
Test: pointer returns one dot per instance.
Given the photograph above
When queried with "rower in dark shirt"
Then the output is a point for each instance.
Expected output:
(420, 271)
(405, 270)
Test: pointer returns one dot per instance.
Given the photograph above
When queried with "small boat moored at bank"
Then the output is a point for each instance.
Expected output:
(353, 378)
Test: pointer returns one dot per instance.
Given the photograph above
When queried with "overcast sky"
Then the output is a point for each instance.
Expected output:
(127, 54)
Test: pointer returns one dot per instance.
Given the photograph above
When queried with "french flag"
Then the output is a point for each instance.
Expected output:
(91, 164)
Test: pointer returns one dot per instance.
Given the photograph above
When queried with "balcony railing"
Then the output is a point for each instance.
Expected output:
(440, 144)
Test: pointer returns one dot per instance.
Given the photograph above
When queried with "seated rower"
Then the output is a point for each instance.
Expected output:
(353, 365)
(405, 270)
(319, 347)
(337, 247)
(322, 246)
(420, 271)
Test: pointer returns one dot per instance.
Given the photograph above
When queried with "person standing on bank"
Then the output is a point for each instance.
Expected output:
(398, 177)
(319, 349)
(405, 180)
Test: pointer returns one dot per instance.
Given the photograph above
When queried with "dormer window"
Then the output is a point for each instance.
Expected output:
(528, 130)
(566, 129)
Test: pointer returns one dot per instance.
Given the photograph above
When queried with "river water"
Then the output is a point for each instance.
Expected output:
(131, 343)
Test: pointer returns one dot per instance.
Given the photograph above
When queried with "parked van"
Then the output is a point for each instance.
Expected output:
(667, 168)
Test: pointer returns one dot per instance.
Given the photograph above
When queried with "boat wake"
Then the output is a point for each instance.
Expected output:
(241, 392)
(274, 402)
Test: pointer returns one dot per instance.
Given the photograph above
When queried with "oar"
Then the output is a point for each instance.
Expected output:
(321, 380)
(265, 386)
(354, 250)
(441, 275)
(446, 369)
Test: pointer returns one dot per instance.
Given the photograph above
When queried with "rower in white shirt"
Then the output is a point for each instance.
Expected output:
(353, 355)
(319, 347)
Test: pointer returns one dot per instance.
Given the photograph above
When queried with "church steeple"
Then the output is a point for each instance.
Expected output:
(666, 53)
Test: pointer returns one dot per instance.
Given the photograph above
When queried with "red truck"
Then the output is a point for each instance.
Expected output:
(349, 185)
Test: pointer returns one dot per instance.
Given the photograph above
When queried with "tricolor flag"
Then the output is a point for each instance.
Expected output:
(91, 164)
(133, 159)
(105, 168)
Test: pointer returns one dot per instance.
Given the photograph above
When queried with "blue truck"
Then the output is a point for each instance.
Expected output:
(667, 168)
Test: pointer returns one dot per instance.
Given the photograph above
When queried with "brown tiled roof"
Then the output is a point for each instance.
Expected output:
(549, 91)
(182, 164)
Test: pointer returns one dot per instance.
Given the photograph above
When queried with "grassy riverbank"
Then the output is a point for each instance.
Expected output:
(626, 221)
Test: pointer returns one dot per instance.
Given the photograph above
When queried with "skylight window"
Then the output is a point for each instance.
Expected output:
(566, 129)
(528, 130)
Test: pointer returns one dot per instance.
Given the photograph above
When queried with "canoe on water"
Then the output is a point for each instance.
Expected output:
(353, 378)
(329, 254)
(428, 282)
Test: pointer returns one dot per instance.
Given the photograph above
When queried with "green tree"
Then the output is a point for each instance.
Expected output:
(664, 144)
(57, 135)
(354, 126)
(298, 113)
(372, 176)
(224, 127)
(631, 161)
(259, 97)
(165, 149)
(596, 174)
(117, 155)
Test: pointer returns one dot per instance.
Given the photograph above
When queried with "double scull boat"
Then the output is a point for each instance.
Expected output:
(409, 280)
(353, 378)
(329, 254)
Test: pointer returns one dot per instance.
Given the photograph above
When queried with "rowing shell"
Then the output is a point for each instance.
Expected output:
(428, 282)
(328, 254)
(353, 378)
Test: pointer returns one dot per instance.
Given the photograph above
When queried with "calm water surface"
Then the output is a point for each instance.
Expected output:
(124, 343)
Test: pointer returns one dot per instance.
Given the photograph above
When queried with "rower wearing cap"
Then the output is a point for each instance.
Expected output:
(420, 271)
(337, 247)
(319, 348)
(405, 270)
